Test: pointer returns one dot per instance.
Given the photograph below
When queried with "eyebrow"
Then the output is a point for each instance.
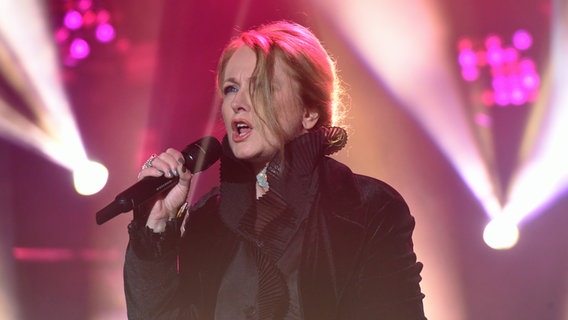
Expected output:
(234, 80)
(231, 79)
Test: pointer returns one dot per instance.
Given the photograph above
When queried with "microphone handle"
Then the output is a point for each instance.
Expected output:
(134, 196)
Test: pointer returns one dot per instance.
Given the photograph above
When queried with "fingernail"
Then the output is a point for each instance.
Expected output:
(161, 172)
(174, 172)
(181, 161)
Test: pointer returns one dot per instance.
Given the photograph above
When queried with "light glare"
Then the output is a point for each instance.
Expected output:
(501, 234)
(90, 177)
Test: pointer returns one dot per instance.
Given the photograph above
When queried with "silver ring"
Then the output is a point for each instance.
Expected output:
(148, 163)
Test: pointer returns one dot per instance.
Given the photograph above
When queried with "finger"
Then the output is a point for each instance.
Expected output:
(150, 172)
(174, 161)
(178, 157)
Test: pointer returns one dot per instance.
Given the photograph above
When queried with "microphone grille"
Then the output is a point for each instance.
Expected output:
(202, 153)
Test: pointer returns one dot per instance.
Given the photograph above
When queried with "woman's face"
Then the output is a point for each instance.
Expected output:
(249, 138)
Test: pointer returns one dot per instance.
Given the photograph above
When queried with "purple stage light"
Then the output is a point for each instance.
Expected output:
(522, 40)
(493, 41)
(470, 73)
(511, 55)
(103, 16)
(502, 97)
(105, 32)
(495, 56)
(73, 20)
(518, 96)
(530, 81)
(61, 35)
(84, 4)
(79, 49)
(467, 58)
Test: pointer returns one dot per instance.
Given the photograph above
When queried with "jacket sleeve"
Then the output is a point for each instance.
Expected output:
(151, 277)
(386, 282)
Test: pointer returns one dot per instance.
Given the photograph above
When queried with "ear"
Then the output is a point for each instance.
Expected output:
(309, 119)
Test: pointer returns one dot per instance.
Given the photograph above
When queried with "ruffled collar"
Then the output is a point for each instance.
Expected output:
(291, 179)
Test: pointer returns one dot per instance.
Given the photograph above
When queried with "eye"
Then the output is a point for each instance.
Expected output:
(230, 89)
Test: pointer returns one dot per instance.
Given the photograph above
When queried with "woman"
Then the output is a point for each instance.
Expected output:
(290, 233)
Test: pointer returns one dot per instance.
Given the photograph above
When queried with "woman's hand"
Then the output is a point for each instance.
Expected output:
(165, 206)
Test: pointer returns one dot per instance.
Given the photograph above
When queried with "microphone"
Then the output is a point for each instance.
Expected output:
(198, 156)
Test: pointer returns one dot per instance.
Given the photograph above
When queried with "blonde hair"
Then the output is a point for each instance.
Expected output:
(310, 65)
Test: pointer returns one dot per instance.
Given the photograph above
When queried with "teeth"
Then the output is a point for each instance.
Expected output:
(240, 126)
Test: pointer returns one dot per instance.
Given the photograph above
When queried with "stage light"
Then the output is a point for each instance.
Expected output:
(79, 49)
(80, 23)
(73, 20)
(90, 177)
(522, 40)
(514, 79)
(35, 79)
(105, 32)
(501, 234)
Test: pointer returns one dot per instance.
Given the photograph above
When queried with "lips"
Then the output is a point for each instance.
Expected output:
(241, 130)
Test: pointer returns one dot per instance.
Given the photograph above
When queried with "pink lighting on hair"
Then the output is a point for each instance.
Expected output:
(522, 40)
(73, 20)
(79, 49)
(105, 32)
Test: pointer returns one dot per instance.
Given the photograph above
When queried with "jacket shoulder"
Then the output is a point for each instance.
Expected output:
(359, 197)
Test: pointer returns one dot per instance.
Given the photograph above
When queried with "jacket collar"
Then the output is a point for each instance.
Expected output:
(295, 178)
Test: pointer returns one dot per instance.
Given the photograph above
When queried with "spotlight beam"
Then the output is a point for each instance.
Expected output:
(28, 62)
(30, 76)
(543, 175)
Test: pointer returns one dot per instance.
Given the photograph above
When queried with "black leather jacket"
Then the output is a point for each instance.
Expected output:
(357, 260)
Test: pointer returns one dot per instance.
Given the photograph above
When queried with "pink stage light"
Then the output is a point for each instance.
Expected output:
(105, 32)
(530, 81)
(493, 41)
(73, 20)
(467, 58)
(487, 98)
(495, 56)
(522, 40)
(85, 4)
(514, 78)
(470, 74)
(61, 35)
(79, 49)
(103, 16)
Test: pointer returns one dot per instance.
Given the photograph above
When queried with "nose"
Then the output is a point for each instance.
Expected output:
(241, 101)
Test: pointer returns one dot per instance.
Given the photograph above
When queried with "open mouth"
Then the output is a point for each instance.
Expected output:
(241, 128)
